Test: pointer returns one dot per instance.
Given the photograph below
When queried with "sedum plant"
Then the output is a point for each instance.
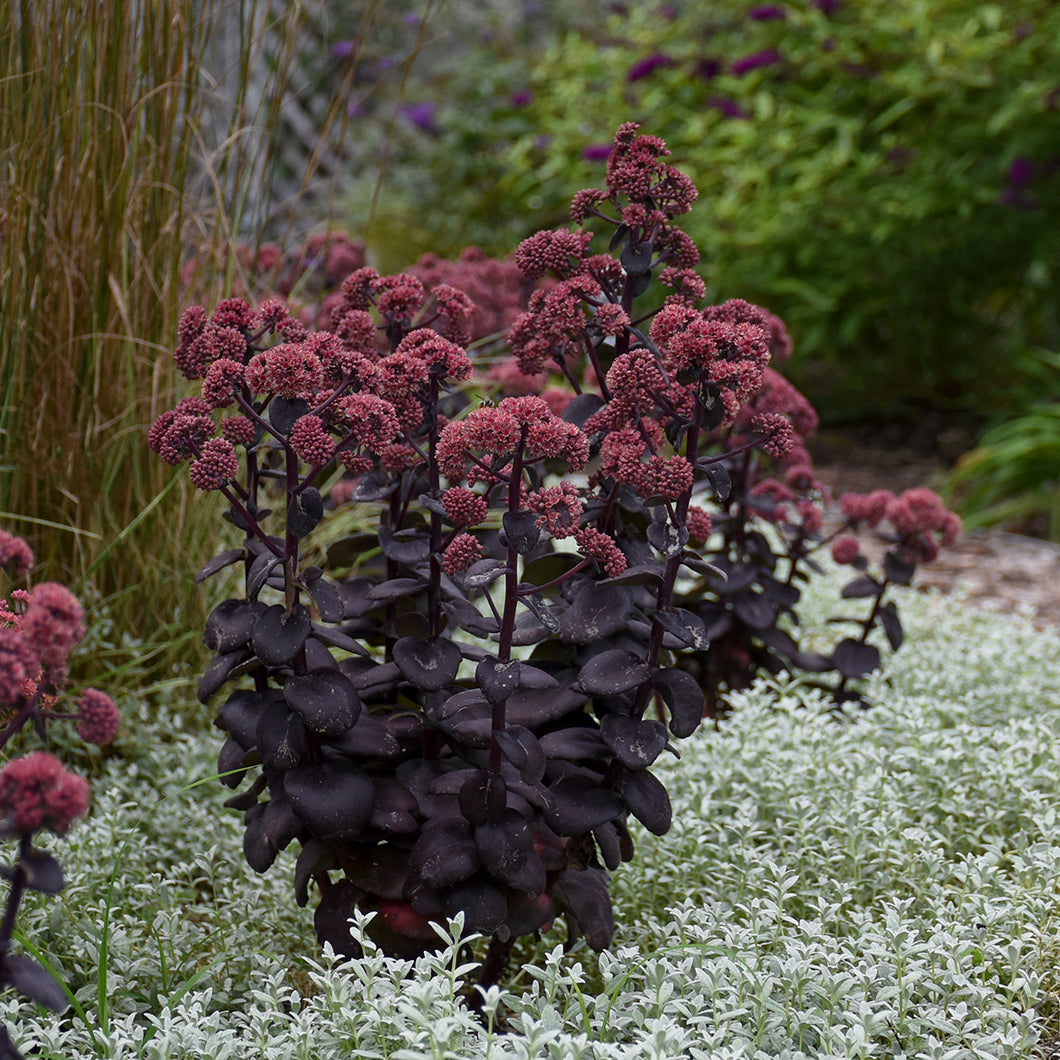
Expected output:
(460, 715)
(38, 631)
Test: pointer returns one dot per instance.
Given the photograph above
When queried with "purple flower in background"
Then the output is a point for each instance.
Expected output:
(521, 99)
(421, 115)
(542, 142)
(766, 12)
(728, 107)
(755, 61)
(356, 109)
(826, 7)
(596, 152)
(411, 19)
(646, 67)
(1020, 172)
(342, 49)
(709, 68)
(668, 12)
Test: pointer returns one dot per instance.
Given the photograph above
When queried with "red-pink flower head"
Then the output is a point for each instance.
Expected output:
(402, 379)
(288, 371)
(239, 430)
(462, 551)
(274, 315)
(216, 465)
(559, 508)
(235, 313)
(920, 518)
(688, 286)
(598, 546)
(699, 524)
(513, 380)
(37, 792)
(310, 441)
(356, 328)
(212, 344)
(584, 204)
(868, 508)
(400, 297)
(98, 718)
(560, 251)
(633, 164)
(777, 395)
(53, 623)
(455, 311)
(222, 379)
(441, 355)
(845, 549)
(371, 421)
(464, 507)
(18, 664)
(356, 288)
(778, 436)
(15, 555)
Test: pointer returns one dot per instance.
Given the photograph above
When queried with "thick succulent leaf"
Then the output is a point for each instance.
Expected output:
(222, 669)
(375, 486)
(529, 910)
(583, 407)
(607, 842)
(280, 736)
(231, 757)
(812, 662)
(283, 412)
(612, 672)
(686, 626)
(43, 872)
(521, 531)
(304, 512)
(336, 639)
(470, 698)
(636, 743)
(483, 796)
(245, 799)
(241, 713)
(331, 919)
(544, 613)
(483, 904)
(583, 896)
(898, 570)
(324, 699)
(855, 659)
(467, 617)
(505, 845)
(279, 635)
(754, 610)
(782, 593)
(498, 680)
(483, 572)
(596, 612)
(333, 797)
(647, 800)
(259, 573)
(445, 853)
(219, 562)
(683, 696)
(720, 482)
(860, 587)
(370, 737)
(394, 808)
(395, 589)
(429, 664)
(738, 576)
(579, 805)
(523, 749)
(532, 708)
(33, 981)
(533, 677)
(380, 869)
(642, 574)
(314, 859)
(407, 547)
(779, 640)
(669, 540)
(573, 744)
(325, 594)
(892, 624)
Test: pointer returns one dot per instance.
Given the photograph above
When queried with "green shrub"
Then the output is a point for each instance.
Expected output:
(888, 184)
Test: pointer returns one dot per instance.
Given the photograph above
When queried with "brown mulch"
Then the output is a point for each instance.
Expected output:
(1006, 571)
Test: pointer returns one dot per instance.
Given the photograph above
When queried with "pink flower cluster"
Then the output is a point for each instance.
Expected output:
(98, 718)
(918, 517)
(37, 792)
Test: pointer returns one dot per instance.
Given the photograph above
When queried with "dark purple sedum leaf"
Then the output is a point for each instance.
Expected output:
(683, 696)
(635, 743)
(580, 804)
(324, 699)
(498, 680)
(596, 612)
(521, 531)
(612, 672)
(279, 635)
(647, 799)
(219, 562)
(853, 658)
(445, 853)
(583, 896)
(334, 797)
(429, 663)
(33, 981)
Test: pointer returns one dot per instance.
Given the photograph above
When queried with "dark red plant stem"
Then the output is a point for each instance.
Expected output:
(534, 590)
(251, 522)
(511, 601)
(434, 584)
(867, 625)
(14, 898)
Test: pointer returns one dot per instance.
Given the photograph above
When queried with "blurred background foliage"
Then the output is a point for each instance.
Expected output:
(883, 174)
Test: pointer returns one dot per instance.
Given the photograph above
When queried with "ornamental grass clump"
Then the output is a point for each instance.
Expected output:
(39, 629)
(460, 714)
